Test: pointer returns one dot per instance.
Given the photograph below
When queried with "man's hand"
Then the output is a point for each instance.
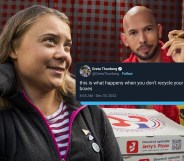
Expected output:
(176, 33)
(175, 45)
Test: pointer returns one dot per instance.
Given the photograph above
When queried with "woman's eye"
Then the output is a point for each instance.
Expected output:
(68, 45)
(50, 40)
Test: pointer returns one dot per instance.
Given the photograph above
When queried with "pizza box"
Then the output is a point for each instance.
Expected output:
(159, 157)
(145, 131)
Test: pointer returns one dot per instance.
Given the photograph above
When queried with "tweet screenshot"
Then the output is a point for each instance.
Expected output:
(130, 83)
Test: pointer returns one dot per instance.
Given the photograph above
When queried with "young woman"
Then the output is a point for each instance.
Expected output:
(39, 118)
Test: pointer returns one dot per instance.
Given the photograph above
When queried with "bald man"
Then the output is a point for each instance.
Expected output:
(141, 35)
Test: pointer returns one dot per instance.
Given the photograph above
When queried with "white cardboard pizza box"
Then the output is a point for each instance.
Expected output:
(156, 157)
(145, 131)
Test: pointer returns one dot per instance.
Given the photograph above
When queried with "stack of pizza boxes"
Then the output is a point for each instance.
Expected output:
(146, 135)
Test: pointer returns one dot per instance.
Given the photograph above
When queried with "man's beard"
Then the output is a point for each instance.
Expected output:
(150, 55)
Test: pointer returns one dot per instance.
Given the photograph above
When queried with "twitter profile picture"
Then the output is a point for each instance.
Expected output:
(85, 71)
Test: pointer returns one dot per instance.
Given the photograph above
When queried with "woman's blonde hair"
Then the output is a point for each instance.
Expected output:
(18, 25)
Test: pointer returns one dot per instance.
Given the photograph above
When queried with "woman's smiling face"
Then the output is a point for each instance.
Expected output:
(43, 55)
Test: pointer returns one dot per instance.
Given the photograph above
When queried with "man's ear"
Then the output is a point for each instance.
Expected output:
(160, 31)
(124, 39)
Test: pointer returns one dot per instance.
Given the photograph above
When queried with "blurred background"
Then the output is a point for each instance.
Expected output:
(96, 24)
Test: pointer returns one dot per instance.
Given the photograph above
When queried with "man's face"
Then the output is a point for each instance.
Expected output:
(141, 34)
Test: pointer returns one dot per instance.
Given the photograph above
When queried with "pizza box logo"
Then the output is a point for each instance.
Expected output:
(135, 123)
